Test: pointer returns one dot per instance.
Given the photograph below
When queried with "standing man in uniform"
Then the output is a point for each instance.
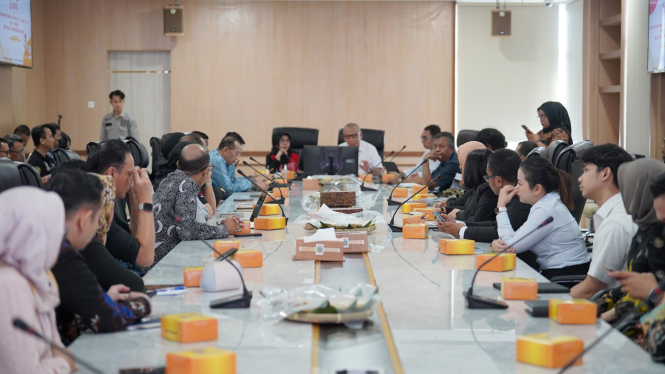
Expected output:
(117, 123)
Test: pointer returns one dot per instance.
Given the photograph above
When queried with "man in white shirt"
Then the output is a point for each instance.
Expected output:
(614, 227)
(368, 156)
(427, 138)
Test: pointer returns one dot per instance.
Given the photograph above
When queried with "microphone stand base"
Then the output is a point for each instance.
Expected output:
(233, 302)
(395, 228)
(392, 202)
(363, 188)
(478, 302)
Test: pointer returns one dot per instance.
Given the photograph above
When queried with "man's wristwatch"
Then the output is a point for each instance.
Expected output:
(498, 210)
(146, 207)
(654, 297)
(207, 184)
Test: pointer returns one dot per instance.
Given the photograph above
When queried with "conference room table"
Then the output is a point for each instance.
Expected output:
(420, 324)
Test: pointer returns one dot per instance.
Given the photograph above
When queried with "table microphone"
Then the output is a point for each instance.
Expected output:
(371, 172)
(223, 256)
(479, 302)
(392, 220)
(271, 179)
(21, 325)
(253, 159)
(390, 197)
(621, 323)
(278, 201)
(398, 152)
(286, 220)
(236, 301)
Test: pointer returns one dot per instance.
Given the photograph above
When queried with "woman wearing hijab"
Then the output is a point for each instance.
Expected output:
(647, 250)
(281, 155)
(28, 249)
(556, 125)
(463, 201)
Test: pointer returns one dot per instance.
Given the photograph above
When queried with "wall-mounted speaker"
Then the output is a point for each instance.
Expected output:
(173, 20)
(500, 22)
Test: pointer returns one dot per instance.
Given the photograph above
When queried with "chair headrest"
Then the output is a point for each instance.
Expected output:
(9, 174)
(138, 150)
(572, 153)
(465, 136)
(554, 149)
(63, 155)
(536, 152)
(300, 136)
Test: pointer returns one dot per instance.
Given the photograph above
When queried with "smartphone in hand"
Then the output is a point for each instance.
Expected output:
(526, 128)
(439, 217)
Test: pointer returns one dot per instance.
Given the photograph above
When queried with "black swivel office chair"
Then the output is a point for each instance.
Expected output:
(29, 175)
(300, 137)
(377, 138)
(465, 136)
(158, 159)
(570, 161)
(9, 175)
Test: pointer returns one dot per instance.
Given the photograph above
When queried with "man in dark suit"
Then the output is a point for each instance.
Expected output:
(502, 170)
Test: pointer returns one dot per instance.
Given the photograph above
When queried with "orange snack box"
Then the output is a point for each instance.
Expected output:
(271, 197)
(573, 312)
(249, 258)
(427, 211)
(246, 228)
(415, 231)
(189, 327)
(269, 223)
(385, 178)
(418, 218)
(457, 246)
(205, 360)
(416, 189)
(513, 288)
(280, 192)
(548, 351)
(401, 192)
(310, 184)
(222, 246)
(269, 209)
(192, 275)
(505, 262)
(423, 196)
(409, 207)
(366, 177)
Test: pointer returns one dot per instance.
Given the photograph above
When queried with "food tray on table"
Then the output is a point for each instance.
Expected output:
(330, 318)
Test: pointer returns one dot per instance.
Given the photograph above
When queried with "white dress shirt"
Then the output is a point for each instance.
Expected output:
(557, 245)
(433, 164)
(614, 232)
(366, 152)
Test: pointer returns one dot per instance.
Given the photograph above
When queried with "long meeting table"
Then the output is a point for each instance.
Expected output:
(420, 325)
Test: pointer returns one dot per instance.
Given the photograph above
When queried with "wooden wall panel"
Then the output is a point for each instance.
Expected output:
(251, 66)
(657, 115)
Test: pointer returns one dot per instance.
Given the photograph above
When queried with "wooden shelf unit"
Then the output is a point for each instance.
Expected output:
(603, 50)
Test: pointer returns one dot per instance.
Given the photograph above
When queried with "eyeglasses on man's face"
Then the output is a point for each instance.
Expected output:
(351, 136)
(488, 177)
